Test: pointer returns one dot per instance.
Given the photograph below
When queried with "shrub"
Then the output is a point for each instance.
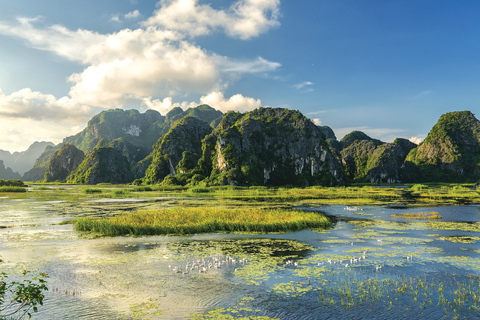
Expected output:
(19, 297)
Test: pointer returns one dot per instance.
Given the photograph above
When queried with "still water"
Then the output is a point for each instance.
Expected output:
(369, 266)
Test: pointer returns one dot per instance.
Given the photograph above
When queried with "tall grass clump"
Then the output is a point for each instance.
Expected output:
(12, 189)
(92, 190)
(203, 220)
(419, 187)
(199, 190)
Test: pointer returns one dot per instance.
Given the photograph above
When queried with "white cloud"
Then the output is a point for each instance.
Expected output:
(303, 84)
(132, 15)
(317, 121)
(416, 140)
(115, 18)
(214, 99)
(165, 105)
(246, 66)
(304, 87)
(244, 19)
(134, 64)
(27, 116)
(56, 38)
(236, 102)
(141, 63)
(28, 104)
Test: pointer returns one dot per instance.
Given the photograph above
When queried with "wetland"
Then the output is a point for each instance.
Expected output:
(383, 256)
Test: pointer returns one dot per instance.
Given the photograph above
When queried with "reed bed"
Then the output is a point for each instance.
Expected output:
(203, 220)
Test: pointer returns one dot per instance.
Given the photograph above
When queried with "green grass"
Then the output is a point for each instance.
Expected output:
(203, 220)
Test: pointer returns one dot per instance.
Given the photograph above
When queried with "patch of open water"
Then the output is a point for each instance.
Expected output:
(370, 266)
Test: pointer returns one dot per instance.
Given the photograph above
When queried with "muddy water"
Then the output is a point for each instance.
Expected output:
(301, 275)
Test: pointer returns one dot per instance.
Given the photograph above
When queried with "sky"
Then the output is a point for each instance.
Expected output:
(389, 68)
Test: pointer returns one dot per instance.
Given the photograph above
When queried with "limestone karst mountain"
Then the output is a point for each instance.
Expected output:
(450, 152)
(266, 146)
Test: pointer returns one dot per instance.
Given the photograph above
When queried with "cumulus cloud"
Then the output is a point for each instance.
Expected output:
(416, 140)
(244, 19)
(132, 15)
(317, 121)
(165, 105)
(134, 64)
(141, 63)
(236, 102)
(26, 115)
(28, 104)
(214, 99)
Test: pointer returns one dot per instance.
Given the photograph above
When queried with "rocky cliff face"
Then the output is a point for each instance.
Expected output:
(451, 151)
(63, 162)
(38, 171)
(269, 146)
(179, 150)
(370, 160)
(139, 129)
(102, 165)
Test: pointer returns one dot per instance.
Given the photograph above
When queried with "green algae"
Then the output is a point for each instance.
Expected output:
(460, 239)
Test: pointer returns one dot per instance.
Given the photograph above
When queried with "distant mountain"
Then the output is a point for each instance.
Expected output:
(40, 166)
(7, 173)
(24, 161)
(450, 152)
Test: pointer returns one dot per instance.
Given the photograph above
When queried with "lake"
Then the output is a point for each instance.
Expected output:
(369, 266)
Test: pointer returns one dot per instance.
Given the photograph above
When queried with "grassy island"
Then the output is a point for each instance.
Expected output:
(203, 220)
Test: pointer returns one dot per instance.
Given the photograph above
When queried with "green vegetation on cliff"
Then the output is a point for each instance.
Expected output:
(178, 151)
(102, 164)
(270, 146)
(451, 151)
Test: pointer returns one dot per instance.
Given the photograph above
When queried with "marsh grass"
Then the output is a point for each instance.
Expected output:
(203, 220)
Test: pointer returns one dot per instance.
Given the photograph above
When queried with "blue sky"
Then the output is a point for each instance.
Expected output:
(388, 68)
